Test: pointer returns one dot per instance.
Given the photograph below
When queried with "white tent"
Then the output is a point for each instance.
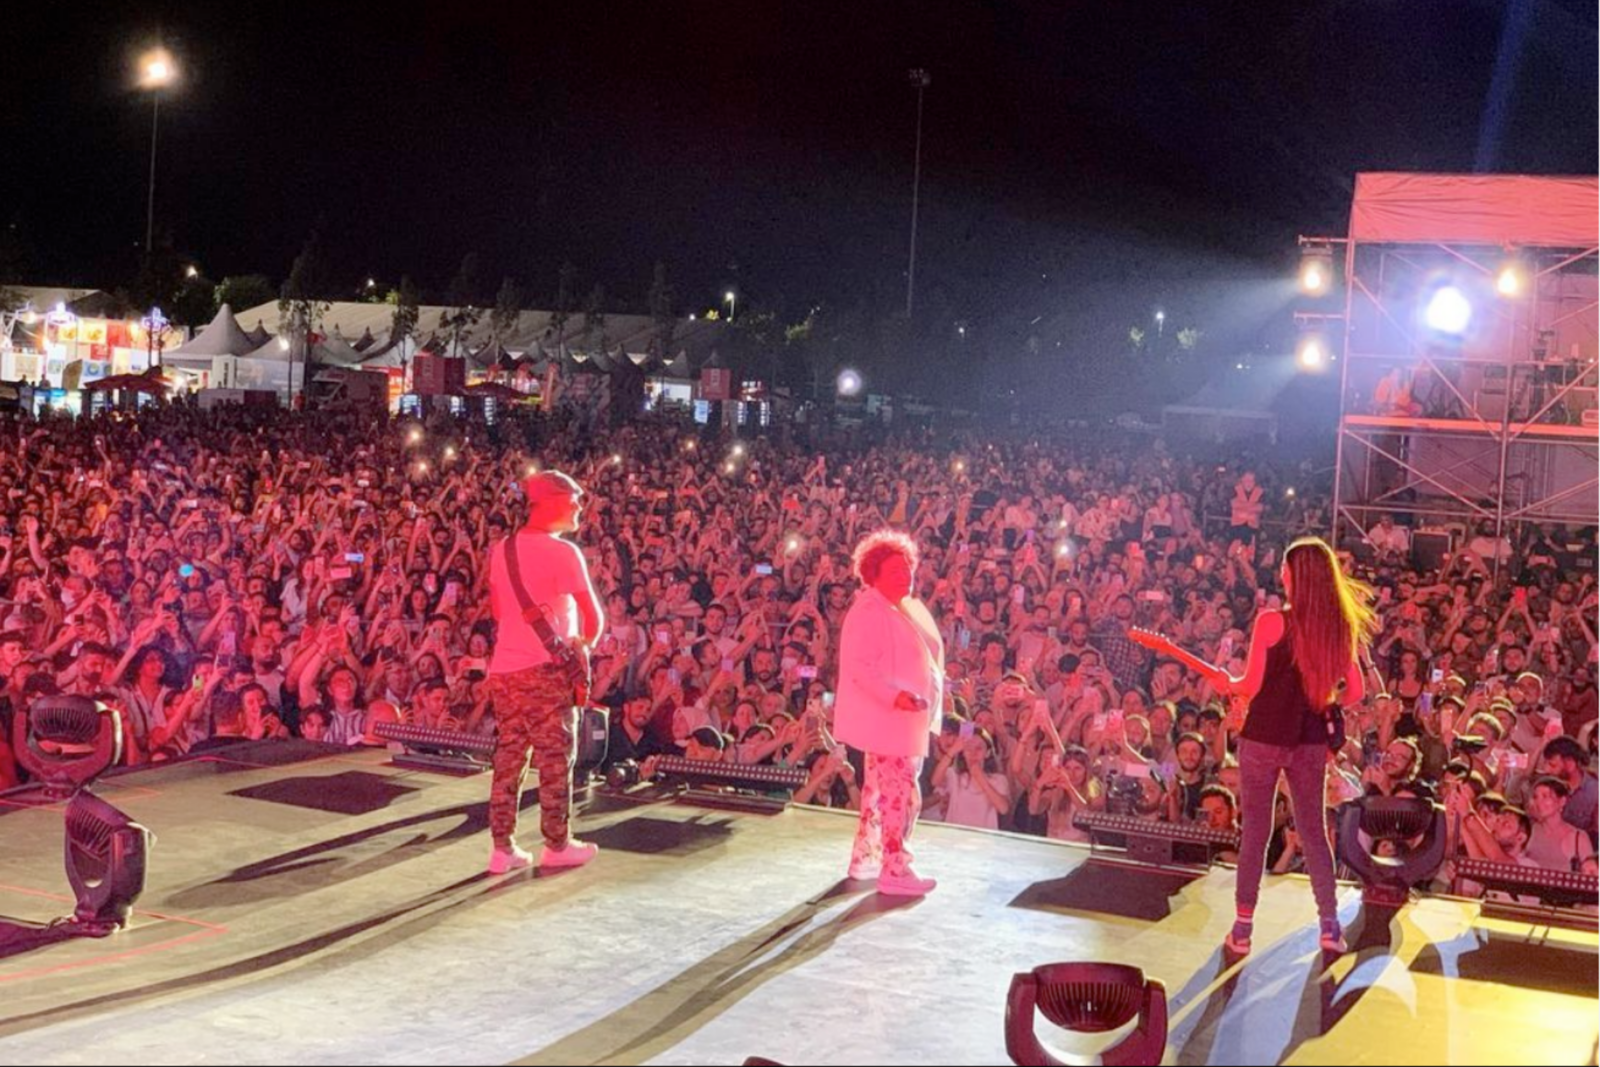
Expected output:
(335, 351)
(222, 337)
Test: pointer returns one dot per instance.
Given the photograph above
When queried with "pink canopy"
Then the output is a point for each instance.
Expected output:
(1477, 209)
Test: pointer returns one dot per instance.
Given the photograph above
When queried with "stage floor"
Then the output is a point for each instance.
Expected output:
(334, 909)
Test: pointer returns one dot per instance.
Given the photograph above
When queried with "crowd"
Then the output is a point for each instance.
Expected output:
(244, 574)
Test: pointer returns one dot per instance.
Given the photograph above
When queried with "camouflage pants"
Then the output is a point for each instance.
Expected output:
(533, 709)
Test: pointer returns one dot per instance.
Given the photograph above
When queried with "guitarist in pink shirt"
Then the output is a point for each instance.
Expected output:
(547, 617)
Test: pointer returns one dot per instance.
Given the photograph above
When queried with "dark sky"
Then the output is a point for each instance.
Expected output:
(1104, 143)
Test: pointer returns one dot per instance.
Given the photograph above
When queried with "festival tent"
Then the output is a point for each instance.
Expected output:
(221, 337)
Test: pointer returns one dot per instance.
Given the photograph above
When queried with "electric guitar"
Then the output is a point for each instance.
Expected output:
(1238, 705)
(571, 658)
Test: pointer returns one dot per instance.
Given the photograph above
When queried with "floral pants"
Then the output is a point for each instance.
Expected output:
(890, 802)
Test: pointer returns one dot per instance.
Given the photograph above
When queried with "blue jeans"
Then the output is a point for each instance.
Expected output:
(1306, 767)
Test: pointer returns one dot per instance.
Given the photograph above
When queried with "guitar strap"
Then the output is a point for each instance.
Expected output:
(532, 613)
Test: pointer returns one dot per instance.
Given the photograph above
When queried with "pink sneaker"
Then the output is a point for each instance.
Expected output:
(864, 871)
(502, 860)
(576, 854)
(905, 885)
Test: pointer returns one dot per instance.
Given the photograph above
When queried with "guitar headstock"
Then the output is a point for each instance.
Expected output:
(1150, 639)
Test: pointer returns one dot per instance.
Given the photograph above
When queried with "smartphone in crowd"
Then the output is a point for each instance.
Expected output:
(806, 672)
(355, 557)
(1436, 675)
(763, 569)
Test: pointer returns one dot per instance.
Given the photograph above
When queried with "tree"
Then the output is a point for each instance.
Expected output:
(566, 300)
(195, 302)
(300, 306)
(1136, 338)
(666, 319)
(160, 278)
(16, 265)
(244, 291)
(594, 319)
(507, 310)
(403, 323)
(464, 313)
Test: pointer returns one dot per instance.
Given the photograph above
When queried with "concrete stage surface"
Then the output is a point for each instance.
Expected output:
(313, 906)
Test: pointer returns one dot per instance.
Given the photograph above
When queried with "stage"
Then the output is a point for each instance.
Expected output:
(314, 906)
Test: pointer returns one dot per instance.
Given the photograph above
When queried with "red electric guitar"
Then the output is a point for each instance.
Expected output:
(1238, 706)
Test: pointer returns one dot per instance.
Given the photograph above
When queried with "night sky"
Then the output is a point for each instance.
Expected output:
(1069, 146)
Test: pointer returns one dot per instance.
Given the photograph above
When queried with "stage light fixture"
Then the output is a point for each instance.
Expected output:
(1509, 281)
(1410, 834)
(849, 383)
(1087, 998)
(1316, 269)
(1448, 311)
(65, 742)
(107, 855)
(1312, 352)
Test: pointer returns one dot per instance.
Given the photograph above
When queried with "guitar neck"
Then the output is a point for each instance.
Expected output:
(1159, 643)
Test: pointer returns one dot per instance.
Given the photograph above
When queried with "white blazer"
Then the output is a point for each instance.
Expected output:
(882, 653)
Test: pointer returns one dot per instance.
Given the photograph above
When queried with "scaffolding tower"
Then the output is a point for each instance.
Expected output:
(1482, 414)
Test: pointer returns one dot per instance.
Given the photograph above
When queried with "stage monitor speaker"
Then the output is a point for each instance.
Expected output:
(1429, 548)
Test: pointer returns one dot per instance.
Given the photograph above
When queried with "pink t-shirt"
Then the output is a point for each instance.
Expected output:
(554, 574)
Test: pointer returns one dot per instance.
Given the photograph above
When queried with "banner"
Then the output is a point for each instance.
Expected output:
(716, 383)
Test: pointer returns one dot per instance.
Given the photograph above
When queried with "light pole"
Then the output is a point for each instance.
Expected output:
(731, 298)
(920, 81)
(1161, 323)
(156, 72)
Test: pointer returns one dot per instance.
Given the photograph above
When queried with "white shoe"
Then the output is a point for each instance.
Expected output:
(502, 860)
(576, 854)
(905, 885)
(864, 872)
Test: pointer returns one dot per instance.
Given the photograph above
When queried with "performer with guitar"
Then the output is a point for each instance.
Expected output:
(547, 617)
(1303, 664)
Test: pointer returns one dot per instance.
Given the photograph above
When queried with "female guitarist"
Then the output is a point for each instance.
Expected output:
(1304, 663)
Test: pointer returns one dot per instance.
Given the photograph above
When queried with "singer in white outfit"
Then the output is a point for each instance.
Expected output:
(891, 693)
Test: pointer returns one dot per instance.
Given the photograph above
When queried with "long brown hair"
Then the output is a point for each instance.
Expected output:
(1330, 618)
